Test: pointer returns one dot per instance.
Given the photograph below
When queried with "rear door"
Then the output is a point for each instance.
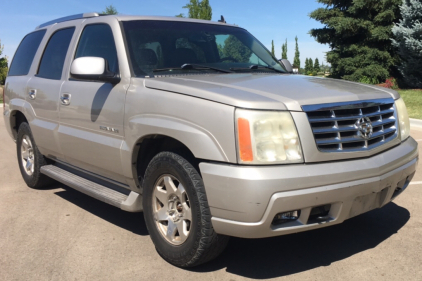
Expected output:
(44, 89)
(91, 117)
(20, 70)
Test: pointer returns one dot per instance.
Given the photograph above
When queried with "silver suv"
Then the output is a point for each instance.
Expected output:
(196, 124)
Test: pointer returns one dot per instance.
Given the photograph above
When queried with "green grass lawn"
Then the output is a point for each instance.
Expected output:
(413, 100)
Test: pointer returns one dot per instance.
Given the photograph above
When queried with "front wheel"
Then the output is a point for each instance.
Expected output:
(177, 214)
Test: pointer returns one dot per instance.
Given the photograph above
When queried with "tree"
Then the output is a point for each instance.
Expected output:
(358, 33)
(311, 65)
(198, 10)
(306, 66)
(296, 61)
(272, 48)
(110, 10)
(235, 49)
(3, 66)
(408, 42)
(316, 65)
(284, 50)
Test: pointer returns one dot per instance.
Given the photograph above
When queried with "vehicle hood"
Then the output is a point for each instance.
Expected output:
(268, 91)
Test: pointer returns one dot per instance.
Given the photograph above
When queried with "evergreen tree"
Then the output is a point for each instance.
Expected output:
(358, 33)
(408, 41)
(306, 66)
(235, 49)
(284, 50)
(272, 48)
(311, 65)
(296, 61)
(316, 65)
(198, 10)
(110, 10)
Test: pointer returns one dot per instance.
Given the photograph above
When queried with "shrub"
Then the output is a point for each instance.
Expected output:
(369, 80)
(391, 83)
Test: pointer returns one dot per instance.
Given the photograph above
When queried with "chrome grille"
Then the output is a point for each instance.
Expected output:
(335, 126)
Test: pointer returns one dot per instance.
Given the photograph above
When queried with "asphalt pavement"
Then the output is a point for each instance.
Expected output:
(61, 234)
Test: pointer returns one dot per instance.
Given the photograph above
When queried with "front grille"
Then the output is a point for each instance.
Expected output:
(335, 126)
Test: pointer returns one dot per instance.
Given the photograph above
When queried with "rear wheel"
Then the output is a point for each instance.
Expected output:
(177, 214)
(30, 159)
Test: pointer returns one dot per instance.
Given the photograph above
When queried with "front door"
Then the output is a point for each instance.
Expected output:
(91, 113)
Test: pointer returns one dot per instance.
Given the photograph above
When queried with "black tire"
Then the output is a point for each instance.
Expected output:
(36, 179)
(202, 243)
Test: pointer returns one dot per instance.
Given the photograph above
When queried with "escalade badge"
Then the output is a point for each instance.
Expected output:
(364, 126)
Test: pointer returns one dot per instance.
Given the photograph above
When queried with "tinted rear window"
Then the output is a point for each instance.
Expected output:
(52, 61)
(25, 53)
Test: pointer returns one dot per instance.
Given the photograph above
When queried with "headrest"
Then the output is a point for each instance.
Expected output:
(146, 57)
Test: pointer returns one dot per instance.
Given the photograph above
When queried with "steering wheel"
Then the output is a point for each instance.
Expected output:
(228, 58)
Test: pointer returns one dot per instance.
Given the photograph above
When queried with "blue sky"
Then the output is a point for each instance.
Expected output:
(267, 20)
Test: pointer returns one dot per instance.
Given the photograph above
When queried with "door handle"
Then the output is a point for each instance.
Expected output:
(65, 99)
(32, 94)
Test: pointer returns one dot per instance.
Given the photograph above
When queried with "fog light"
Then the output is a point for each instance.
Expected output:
(286, 217)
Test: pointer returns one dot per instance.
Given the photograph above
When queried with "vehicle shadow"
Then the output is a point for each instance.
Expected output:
(290, 254)
(277, 256)
(133, 222)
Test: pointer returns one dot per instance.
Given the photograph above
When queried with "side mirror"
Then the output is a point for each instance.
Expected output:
(93, 69)
(287, 65)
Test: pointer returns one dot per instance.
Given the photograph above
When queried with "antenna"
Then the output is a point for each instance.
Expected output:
(222, 19)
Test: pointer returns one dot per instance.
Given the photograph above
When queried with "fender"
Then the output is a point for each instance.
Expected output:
(202, 143)
(16, 104)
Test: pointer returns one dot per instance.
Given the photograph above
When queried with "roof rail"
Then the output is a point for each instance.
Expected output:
(72, 17)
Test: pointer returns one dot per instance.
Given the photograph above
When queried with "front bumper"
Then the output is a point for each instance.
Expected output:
(244, 200)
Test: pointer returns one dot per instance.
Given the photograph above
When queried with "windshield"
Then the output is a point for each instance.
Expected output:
(165, 46)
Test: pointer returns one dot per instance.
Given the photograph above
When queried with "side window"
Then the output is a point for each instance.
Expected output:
(25, 54)
(52, 61)
(97, 41)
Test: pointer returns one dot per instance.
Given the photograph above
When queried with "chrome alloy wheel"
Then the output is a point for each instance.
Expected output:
(27, 155)
(172, 211)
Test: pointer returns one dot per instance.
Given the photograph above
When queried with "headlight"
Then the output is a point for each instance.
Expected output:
(404, 123)
(267, 137)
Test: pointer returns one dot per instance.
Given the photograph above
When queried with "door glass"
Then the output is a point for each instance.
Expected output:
(52, 61)
(25, 54)
(97, 41)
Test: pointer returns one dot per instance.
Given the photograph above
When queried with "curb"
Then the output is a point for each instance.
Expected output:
(415, 123)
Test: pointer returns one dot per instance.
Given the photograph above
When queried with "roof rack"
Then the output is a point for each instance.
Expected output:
(72, 17)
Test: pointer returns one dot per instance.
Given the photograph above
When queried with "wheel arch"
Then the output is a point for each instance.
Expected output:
(16, 119)
(148, 146)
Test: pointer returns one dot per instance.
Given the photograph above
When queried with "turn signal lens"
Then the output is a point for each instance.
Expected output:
(244, 137)
(404, 123)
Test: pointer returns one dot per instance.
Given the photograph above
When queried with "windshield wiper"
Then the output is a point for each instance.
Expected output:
(255, 66)
(189, 66)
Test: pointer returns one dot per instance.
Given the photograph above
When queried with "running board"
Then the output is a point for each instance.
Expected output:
(130, 203)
